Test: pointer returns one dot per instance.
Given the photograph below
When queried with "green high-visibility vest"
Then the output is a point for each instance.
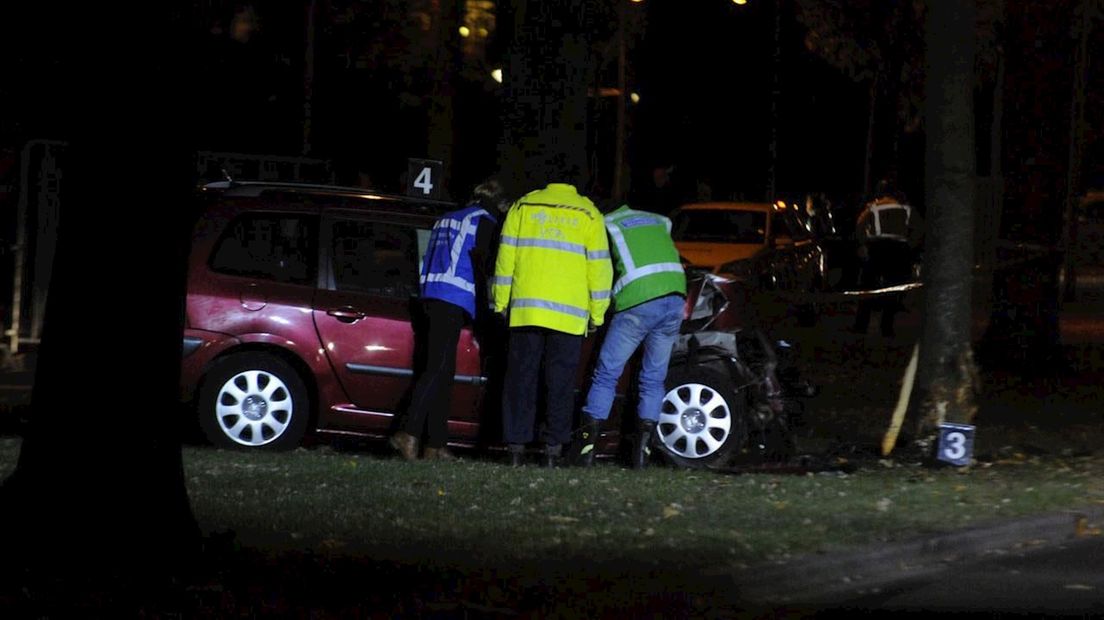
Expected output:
(646, 262)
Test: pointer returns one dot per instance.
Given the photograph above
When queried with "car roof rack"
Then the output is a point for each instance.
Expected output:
(231, 187)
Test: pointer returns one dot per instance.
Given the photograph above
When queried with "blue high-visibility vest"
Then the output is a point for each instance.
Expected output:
(447, 271)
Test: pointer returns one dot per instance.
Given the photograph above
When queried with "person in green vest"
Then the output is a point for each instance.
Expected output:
(649, 296)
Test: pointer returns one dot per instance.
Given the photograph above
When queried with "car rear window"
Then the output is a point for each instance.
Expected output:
(720, 226)
(271, 246)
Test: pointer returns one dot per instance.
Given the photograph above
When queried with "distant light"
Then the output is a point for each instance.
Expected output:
(483, 32)
(638, 1)
(634, 97)
(497, 75)
(741, 2)
(781, 204)
(464, 31)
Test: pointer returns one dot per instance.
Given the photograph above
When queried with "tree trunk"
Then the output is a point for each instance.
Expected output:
(868, 161)
(440, 114)
(946, 372)
(98, 491)
(1082, 16)
(545, 97)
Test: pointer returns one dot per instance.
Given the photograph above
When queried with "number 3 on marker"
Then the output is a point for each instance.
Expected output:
(955, 446)
(956, 443)
(424, 181)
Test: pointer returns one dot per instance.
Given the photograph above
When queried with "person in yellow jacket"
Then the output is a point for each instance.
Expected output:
(552, 279)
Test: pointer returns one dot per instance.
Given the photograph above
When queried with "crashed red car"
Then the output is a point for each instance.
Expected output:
(300, 308)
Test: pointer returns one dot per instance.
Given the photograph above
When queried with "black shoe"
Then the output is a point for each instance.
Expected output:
(582, 451)
(642, 444)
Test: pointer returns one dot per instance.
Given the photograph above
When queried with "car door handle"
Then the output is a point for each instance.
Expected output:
(346, 314)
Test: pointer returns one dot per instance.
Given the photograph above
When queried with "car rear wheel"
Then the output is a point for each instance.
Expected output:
(702, 420)
(253, 401)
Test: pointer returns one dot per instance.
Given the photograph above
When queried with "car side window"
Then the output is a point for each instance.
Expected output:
(376, 257)
(271, 246)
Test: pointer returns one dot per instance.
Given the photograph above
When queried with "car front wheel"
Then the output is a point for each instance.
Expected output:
(702, 420)
(253, 401)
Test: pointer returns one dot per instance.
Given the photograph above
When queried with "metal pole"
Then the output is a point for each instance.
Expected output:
(772, 173)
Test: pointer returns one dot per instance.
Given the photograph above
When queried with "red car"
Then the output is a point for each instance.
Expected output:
(299, 320)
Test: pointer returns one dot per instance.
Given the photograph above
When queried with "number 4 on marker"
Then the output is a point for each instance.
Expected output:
(424, 181)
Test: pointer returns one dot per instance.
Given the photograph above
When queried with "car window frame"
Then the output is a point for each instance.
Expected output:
(311, 216)
(329, 217)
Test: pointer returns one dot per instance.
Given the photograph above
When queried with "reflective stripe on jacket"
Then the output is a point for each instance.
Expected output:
(447, 271)
(885, 220)
(553, 265)
(646, 260)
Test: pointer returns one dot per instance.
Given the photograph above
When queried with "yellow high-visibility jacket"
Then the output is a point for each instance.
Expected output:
(553, 266)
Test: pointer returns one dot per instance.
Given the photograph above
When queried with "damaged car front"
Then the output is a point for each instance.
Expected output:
(732, 392)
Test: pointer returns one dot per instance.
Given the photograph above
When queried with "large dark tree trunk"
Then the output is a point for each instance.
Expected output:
(545, 95)
(440, 115)
(99, 491)
(946, 372)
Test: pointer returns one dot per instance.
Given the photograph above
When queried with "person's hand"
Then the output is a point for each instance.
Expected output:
(591, 328)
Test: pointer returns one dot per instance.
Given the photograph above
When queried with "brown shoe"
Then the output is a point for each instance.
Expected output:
(406, 444)
(439, 454)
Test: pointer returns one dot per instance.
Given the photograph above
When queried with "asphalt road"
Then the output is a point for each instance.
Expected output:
(1064, 580)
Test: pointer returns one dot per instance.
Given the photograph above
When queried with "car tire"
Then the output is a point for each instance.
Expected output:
(703, 417)
(253, 401)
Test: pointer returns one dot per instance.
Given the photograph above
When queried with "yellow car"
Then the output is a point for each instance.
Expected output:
(767, 245)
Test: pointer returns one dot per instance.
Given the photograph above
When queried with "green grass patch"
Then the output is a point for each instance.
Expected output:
(476, 511)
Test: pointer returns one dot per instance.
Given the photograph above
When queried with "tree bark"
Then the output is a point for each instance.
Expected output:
(946, 373)
(98, 491)
(441, 111)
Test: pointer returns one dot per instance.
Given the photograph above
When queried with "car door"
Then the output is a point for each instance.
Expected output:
(365, 312)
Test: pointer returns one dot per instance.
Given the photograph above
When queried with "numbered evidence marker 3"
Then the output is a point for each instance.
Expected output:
(956, 443)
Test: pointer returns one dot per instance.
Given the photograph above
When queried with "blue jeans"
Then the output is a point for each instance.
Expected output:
(655, 323)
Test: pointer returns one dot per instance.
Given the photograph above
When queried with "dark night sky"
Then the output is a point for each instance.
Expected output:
(706, 80)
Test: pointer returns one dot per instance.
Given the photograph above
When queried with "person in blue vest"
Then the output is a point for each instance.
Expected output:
(649, 296)
(454, 281)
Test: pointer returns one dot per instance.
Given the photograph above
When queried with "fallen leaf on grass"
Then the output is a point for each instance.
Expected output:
(562, 519)
(670, 511)
(884, 504)
(1084, 529)
(1078, 586)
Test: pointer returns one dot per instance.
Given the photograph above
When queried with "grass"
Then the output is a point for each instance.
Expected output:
(476, 511)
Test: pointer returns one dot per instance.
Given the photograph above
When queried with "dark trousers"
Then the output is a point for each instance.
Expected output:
(559, 352)
(434, 385)
(888, 263)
